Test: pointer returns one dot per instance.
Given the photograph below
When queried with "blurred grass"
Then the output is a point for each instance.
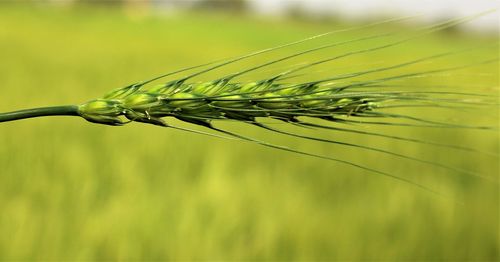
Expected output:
(70, 190)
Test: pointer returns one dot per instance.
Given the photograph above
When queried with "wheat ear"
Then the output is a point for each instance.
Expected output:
(329, 99)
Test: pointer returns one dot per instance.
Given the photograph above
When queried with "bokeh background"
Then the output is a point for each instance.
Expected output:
(71, 190)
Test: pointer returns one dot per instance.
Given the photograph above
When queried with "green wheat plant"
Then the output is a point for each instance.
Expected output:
(335, 102)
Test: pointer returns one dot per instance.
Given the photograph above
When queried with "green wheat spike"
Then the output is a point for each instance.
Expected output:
(276, 97)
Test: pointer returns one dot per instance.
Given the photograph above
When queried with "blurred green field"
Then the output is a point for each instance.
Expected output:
(71, 190)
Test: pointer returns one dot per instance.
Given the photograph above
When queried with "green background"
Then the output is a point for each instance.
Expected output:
(71, 190)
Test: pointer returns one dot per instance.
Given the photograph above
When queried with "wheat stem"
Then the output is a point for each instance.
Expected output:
(67, 110)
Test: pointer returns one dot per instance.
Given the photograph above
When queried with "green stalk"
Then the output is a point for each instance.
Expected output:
(68, 110)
